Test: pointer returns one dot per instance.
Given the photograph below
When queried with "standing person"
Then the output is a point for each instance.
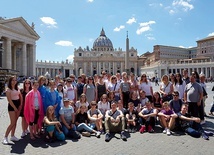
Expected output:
(114, 122)
(166, 88)
(146, 86)
(172, 78)
(80, 87)
(193, 96)
(33, 110)
(114, 87)
(42, 89)
(70, 90)
(201, 107)
(179, 85)
(26, 88)
(14, 98)
(90, 90)
(186, 76)
(53, 98)
(125, 90)
(100, 87)
(60, 91)
(133, 83)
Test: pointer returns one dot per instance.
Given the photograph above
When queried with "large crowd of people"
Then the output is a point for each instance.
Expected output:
(106, 104)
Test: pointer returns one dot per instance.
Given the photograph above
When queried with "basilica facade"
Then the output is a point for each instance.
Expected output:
(104, 57)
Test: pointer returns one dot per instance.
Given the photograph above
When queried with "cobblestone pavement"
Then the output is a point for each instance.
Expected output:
(136, 144)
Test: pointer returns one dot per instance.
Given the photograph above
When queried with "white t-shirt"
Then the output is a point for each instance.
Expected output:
(146, 87)
(165, 88)
(180, 89)
(103, 107)
(112, 87)
(78, 104)
(70, 92)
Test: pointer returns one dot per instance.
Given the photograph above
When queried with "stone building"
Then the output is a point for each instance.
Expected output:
(18, 46)
(169, 59)
(104, 57)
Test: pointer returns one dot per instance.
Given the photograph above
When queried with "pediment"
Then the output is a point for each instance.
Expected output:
(20, 26)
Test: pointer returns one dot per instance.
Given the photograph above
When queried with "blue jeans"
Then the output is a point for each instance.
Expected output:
(81, 127)
(72, 133)
(194, 130)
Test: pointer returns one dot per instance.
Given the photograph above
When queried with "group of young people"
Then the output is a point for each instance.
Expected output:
(105, 103)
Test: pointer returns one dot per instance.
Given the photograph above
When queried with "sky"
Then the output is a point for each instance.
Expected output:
(68, 24)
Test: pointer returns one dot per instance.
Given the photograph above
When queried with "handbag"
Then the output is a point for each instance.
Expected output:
(204, 92)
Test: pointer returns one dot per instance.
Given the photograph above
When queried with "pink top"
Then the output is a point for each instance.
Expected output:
(14, 94)
(29, 109)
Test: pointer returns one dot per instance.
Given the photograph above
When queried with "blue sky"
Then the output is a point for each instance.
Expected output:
(67, 24)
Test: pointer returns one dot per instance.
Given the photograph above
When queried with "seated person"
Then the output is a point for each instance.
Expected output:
(191, 125)
(176, 103)
(81, 122)
(114, 122)
(131, 117)
(120, 106)
(67, 117)
(134, 99)
(52, 126)
(103, 104)
(147, 118)
(95, 117)
(167, 118)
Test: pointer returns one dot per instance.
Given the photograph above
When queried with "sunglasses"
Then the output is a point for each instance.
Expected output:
(104, 98)
(27, 83)
(175, 95)
(93, 105)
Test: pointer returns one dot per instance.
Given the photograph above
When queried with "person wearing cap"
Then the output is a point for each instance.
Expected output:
(67, 119)
(70, 90)
(114, 122)
(193, 95)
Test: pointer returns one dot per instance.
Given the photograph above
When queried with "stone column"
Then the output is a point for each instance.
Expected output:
(14, 57)
(24, 59)
(8, 54)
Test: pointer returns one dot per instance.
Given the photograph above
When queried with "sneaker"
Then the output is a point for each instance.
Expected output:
(108, 137)
(5, 141)
(123, 136)
(27, 132)
(142, 129)
(150, 129)
(23, 134)
(168, 132)
(133, 130)
(98, 134)
(204, 136)
(86, 134)
(164, 131)
(14, 139)
(203, 122)
(209, 133)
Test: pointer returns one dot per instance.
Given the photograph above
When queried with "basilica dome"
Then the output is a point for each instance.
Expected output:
(103, 43)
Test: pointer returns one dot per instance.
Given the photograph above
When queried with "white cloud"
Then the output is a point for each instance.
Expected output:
(50, 22)
(70, 58)
(64, 43)
(131, 21)
(144, 27)
(161, 4)
(211, 34)
(171, 12)
(184, 4)
(151, 38)
(119, 28)
(90, 1)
